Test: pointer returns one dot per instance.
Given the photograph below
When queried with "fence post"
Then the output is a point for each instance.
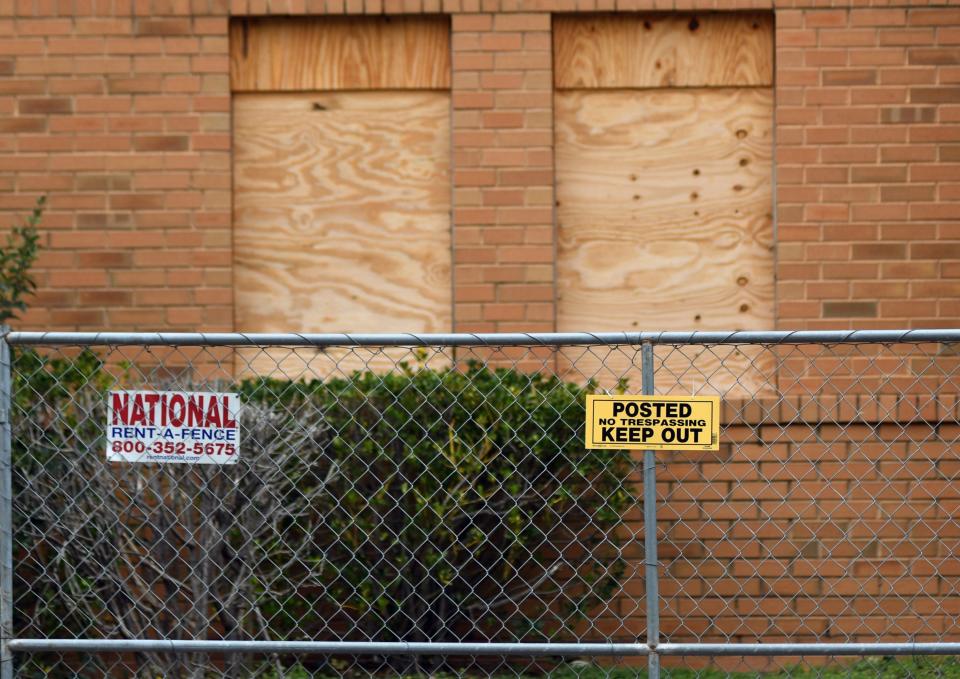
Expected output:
(650, 528)
(6, 510)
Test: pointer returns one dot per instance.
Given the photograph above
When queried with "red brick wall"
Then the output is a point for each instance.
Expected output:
(868, 167)
(821, 519)
(123, 120)
(119, 111)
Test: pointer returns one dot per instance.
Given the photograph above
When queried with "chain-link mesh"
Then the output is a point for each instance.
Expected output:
(830, 512)
(443, 494)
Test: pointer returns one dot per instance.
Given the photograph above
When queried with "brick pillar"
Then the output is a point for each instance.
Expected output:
(503, 173)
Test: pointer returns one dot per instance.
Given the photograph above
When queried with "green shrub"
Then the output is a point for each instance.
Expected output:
(456, 505)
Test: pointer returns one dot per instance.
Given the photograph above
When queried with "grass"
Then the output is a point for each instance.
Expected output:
(916, 667)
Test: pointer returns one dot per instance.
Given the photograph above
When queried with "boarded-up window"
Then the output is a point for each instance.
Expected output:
(341, 175)
(664, 174)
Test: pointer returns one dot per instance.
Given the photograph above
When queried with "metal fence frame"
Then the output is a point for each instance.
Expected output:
(651, 648)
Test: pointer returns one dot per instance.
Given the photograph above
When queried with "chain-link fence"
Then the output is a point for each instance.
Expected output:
(345, 506)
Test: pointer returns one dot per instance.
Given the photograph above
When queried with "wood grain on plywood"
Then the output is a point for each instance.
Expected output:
(342, 212)
(664, 209)
(663, 50)
(339, 53)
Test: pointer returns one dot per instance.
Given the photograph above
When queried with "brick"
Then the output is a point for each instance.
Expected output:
(849, 116)
(879, 212)
(908, 36)
(883, 56)
(161, 143)
(525, 253)
(139, 45)
(827, 290)
(472, 22)
(110, 104)
(105, 297)
(934, 95)
(472, 61)
(822, 18)
(948, 36)
(503, 312)
(908, 114)
(44, 26)
(887, 134)
(940, 16)
(858, 37)
(77, 318)
(91, 85)
(817, 58)
(503, 157)
(832, 77)
(501, 119)
(816, 212)
(153, 64)
(161, 104)
(933, 56)
(935, 288)
(474, 293)
(77, 278)
(135, 201)
(474, 177)
(124, 85)
(45, 105)
(522, 22)
(849, 270)
(827, 135)
(934, 172)
(499, 42)
(908, 192)
(210, 25)
(933, 211)
(526, 138)
(76, 46)
(796, 38)
(849, 154)
(849, 309)
(163, 27)
(18, 125)
(878, 17)
(501, 81)
(884, 251)
(879, 173)
(935, 250)
(935, 133)
(827, 251)
(895, 154)
(878, 95)
(498, 197)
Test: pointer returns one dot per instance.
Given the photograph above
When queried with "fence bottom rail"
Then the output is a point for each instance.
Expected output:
(363, 648)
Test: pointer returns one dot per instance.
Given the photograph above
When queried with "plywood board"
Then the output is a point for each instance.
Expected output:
(664, 211)
(663, 50)
(339, 53)
(342, 212)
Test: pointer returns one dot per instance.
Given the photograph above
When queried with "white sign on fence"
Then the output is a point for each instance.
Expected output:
(192, 427)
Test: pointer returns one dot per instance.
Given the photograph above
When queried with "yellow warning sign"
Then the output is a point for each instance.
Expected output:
(653, 422)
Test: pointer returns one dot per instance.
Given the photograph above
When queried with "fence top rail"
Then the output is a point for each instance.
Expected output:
(483, 339)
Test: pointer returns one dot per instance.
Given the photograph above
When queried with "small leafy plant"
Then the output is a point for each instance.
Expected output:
(16, 258)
